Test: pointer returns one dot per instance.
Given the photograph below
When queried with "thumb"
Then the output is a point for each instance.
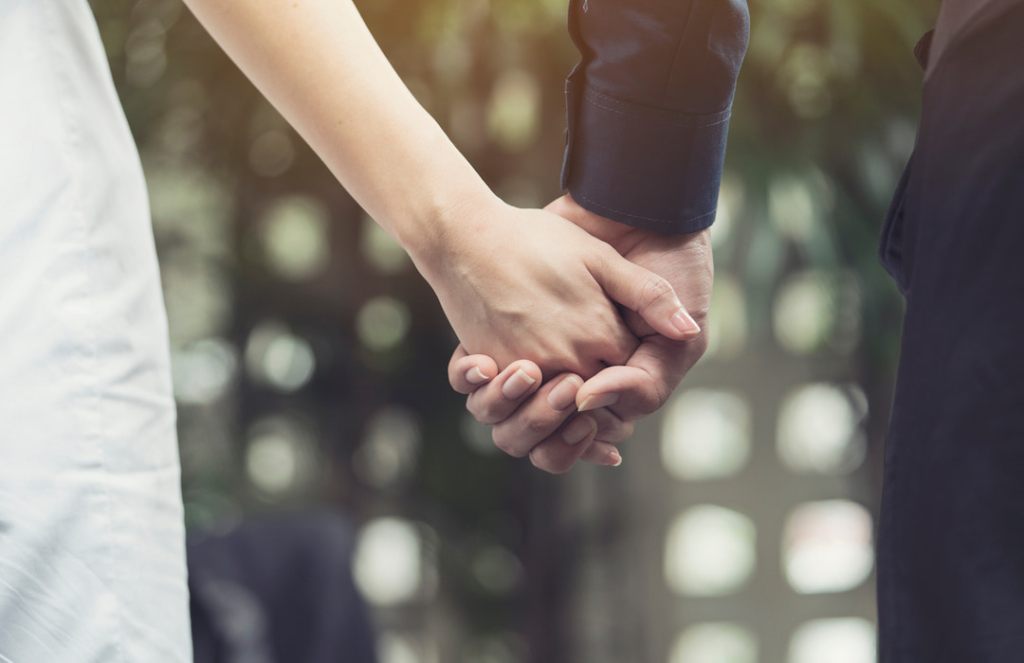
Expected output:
(651, 296)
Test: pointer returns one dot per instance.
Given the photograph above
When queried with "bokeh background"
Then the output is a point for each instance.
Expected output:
(309, 357)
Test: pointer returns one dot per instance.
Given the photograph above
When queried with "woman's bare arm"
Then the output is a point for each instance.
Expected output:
(514, 283)
(317, 62)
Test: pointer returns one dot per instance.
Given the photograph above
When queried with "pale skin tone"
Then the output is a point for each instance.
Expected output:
(566, 419)
(514, 283)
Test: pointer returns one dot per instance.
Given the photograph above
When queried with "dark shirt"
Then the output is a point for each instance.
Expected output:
(649, 105)
(959, 17)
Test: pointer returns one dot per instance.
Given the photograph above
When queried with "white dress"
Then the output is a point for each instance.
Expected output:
(92, 565)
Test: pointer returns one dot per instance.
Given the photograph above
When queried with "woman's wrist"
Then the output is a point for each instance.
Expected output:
(445, 226)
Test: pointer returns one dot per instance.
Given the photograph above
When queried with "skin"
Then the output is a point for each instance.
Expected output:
(514, 283)
(530, 424)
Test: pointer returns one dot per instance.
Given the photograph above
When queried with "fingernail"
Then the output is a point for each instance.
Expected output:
(578, 430)
(598, 401)
(476, 376)
(564, 395)
(517, 385)
(684, 323)
(614, 459)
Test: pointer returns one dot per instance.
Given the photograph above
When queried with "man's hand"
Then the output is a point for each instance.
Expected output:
(566, 419)
(520, 283)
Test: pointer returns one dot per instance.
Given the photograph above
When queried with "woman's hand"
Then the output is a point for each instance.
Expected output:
(546, 421)
(529, 284)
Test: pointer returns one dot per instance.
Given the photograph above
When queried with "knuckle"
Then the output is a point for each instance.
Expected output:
(506, 444)
(625, 344)
(658, 397)
(535, 426)
(550, 465)
(485, 412)
(602, 256)
(654, 290)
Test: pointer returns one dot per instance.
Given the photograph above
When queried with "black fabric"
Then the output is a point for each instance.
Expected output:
(278, 591)
(648, 107)
(951, 530)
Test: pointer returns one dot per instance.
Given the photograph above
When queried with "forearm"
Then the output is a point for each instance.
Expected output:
(317, 62)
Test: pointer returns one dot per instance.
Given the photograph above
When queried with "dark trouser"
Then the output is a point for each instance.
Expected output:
(951, 539)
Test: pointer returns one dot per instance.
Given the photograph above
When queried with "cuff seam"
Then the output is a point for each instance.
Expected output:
(676, 118)
(597, 206)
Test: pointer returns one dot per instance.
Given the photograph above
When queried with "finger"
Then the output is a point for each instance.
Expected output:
(610, 427)
(539, 417)
(617, 344)
(602, 453)
(645, 383)
(643, 291)
(556, 455)
(467, 372)
(499, 398)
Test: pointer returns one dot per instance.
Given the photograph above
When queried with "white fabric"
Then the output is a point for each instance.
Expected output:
(92, 565)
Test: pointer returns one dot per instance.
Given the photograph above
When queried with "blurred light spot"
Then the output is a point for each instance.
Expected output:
(705, 435)
(192, 205)
(715, 642)
(179, 134)
(497, 569)
(842, 640)
(819, 429)
(276, 357)
(877, 171)
(388, 453)
(709, 551)
(145, 54)
(466, 123)
(279, 455)
(381, 249)
(197, 297)
(203, 371)
(791, 207)
(815, 310)
(272, 153)
(900, 136)
(405, 648)
(827, 547)
(730, 207)
(805, 75)
(382, 323)
(727, 333)
(504, 648)
(795, 8)
(513, 111)
(294, 237)
(452, 59)
(393, 648)
(387, 564)
(165, 12)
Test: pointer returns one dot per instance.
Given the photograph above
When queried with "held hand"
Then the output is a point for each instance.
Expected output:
(542, 413)
(618, 394)
(530, 284)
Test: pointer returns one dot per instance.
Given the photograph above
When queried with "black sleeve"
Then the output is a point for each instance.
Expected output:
(648, 107)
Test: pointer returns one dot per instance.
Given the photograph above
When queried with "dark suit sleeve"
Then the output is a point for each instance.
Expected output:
(648, 107)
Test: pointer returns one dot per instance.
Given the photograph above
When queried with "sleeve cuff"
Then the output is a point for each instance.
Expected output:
(646, 167)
